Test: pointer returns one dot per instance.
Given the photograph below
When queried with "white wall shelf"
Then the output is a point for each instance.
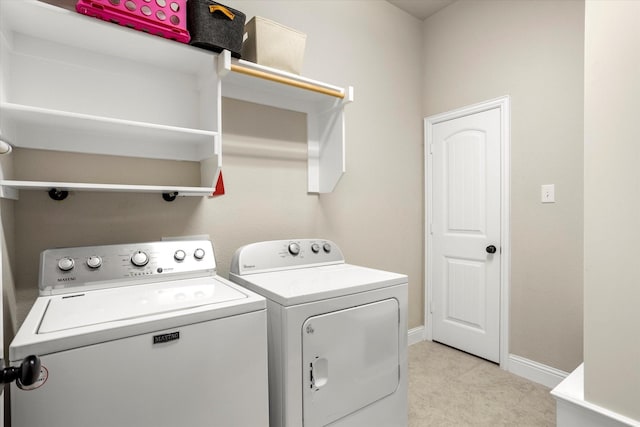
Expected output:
(323, 103)
(9, 185)
(75, 83)
(84, 133)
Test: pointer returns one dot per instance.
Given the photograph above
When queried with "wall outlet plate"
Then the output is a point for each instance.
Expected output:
(548, 193)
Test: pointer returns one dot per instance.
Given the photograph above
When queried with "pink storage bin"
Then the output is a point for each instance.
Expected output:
(165, 18)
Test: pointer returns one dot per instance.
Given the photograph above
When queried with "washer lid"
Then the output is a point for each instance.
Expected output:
(292, 287)
(71, 311)
(110, 314)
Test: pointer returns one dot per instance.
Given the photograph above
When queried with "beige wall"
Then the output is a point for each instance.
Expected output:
(376, 212)
(612, 206)
(532, 51)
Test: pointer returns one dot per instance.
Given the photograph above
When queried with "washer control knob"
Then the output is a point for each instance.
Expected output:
(94, 261)
(315, 248)
(198, 254)
(294, 249)
(66, 264)
(326, 247)
(139, 259)
(179, 255)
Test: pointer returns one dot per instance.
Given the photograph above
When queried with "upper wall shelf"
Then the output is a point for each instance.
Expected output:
(74, 83)
(264, 85)
(35, 127)
(45, 22)
(323, 103)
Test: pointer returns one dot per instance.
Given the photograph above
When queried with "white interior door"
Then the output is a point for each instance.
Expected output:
(465, 230)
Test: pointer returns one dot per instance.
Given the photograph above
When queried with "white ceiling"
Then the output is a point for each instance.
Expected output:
(421, 9)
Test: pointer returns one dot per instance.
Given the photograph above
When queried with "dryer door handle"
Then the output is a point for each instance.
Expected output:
(319, 373)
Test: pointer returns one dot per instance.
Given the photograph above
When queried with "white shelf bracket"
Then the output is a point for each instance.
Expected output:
(348, 96)
(8, 192)
(224, 63)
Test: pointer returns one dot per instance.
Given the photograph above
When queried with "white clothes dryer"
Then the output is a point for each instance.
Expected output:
(142, 335)
(337, 335)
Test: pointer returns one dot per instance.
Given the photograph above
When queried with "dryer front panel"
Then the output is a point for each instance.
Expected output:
(350, 360)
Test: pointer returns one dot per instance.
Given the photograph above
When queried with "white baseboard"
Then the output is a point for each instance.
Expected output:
(536, 372)
(416, 335)
(525, 368)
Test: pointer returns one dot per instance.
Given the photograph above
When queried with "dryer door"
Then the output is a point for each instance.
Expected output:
(350, 360)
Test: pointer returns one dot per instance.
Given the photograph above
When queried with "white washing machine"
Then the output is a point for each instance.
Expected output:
(337, 335)
(138, 335)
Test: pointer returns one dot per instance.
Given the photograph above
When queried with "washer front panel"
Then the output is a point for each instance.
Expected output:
(209, 374)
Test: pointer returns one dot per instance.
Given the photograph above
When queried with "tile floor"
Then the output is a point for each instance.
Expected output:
(452, 388)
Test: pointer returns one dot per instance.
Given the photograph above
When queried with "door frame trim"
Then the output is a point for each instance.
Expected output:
(504, 104)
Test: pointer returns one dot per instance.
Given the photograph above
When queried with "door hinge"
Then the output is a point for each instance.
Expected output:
(431, 307)
(430, 228)
(430, 148)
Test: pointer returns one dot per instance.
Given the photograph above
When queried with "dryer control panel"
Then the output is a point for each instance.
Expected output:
(92, 267)
(278, 255)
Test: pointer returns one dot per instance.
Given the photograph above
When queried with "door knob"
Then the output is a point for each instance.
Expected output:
(25, 374)
(491, 249)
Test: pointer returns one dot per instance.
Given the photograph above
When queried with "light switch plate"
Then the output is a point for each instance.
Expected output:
(548, 194)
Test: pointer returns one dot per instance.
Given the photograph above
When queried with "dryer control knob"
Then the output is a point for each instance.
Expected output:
(94, 261)
(326, 247)
(294, 249)
(66, 264)
(198, 254)
(179, 255)
(139, 259)
(315, 248)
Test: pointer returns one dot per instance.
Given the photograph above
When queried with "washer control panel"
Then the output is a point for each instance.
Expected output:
(69, 269)
(285, 254)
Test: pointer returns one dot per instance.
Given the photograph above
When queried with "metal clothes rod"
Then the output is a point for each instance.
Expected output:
(286, 80)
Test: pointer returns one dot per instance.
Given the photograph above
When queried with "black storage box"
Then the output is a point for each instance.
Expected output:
(215, 27)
